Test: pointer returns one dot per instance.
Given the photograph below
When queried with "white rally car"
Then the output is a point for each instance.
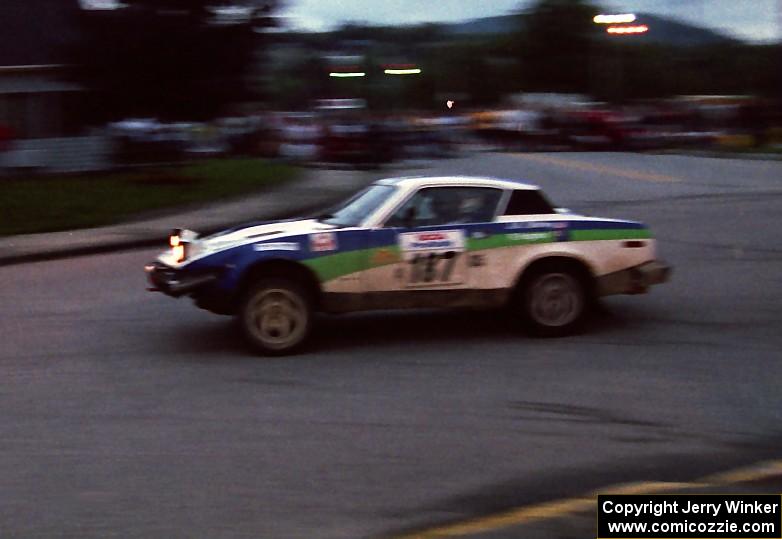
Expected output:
(411, 243)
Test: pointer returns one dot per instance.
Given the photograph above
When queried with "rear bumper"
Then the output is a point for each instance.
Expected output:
(174, 282)
(635, 280)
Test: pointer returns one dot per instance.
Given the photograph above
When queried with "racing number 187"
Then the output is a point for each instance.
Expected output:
(427, 268)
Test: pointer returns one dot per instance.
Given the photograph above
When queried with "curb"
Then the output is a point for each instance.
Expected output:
(148, 241)
(725, 155)
(43, 256)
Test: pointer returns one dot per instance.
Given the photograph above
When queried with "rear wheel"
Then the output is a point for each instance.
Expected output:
(553, 302)
(276, 316)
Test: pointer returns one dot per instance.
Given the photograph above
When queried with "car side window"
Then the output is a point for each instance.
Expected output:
(528, 202)
(433, 206)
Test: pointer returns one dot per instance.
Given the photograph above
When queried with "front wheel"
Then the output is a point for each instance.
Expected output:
(553, 303)
(276, 316)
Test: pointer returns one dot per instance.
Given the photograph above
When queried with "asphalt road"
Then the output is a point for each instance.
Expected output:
(129, 414)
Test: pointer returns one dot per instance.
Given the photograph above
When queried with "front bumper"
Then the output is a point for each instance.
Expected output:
(635, 280)
(175, 282)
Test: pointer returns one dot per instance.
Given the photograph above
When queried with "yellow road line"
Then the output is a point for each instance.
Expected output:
(756, 472)
(600, 169)
(513, 517)
(568, 506)
(644, 487)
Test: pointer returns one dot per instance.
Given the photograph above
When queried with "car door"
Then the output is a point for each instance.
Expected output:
(423, 246)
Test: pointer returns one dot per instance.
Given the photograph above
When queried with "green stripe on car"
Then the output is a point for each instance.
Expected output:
(329, 267)
(609, 234)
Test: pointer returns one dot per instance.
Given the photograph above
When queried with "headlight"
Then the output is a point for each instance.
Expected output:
(180, 240)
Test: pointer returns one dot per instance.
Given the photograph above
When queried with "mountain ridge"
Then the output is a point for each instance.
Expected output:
(662, 30)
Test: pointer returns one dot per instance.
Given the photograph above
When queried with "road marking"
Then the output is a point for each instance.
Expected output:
(755, 472)
(514, 517)
(600, 169)
(569, 506)
(644, 487)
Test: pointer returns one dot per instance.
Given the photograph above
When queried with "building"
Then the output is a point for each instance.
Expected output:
(40, 108)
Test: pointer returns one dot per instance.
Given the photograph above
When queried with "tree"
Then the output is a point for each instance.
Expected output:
(554, 45)
(171, 59)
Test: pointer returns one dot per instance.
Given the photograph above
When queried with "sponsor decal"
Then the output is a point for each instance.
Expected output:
(452, 240)
(279, 246)
(552, 231)
(536, 224)
(530, 236)
(434, 258)
(522, 226)
(323, 241)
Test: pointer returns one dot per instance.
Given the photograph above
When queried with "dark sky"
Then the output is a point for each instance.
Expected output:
(756, 20)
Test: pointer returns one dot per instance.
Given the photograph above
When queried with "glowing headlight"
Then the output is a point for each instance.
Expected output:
(179, 253)
(179, 240)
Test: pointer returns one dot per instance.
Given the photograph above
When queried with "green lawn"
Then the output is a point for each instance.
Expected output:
(64, 202)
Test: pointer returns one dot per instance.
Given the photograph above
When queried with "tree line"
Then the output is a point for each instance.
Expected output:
(176, 59)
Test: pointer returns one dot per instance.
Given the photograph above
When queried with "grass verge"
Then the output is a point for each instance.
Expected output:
(65, 202)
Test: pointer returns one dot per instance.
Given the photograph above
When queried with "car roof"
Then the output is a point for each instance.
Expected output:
(478, 181)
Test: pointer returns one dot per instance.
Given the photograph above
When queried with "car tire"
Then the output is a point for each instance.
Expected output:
(276, 316)
(553, 301)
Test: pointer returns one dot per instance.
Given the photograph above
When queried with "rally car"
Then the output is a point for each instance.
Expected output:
(418, 242)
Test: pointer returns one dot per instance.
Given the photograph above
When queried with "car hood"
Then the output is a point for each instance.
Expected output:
(263, 232)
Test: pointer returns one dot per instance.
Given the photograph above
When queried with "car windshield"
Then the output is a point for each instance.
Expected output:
(357, 209)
